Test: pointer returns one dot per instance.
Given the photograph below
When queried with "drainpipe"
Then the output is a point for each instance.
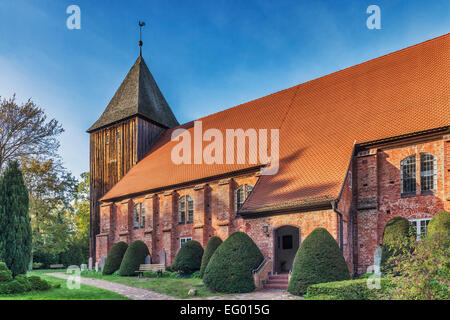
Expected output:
(341, 224)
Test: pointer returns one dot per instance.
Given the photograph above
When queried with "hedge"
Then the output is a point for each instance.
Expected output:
(211, 247)
(439, 226)
(114, 259)
(346, 290)
(230, 267)
(319, 259)
(134, 256)
(395, 236)
(188, 258)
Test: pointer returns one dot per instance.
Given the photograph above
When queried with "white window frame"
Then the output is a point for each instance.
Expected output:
(184, 240)
(418, 229)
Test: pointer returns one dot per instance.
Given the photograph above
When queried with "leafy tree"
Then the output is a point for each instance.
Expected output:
(15, 229)
(421, 270)
(25, 132)
(319, 259)
(52, 190)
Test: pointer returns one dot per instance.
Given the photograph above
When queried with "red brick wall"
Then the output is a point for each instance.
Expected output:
(370, 199)
(379, 193)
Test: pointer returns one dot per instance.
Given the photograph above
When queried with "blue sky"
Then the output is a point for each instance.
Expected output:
(205, 55)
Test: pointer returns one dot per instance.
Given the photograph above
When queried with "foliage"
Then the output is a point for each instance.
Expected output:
(15, 229)
(72, 256)
(347, 290)
(230, 267)
(188, 258)
(439, 226)
(5, 273)
(25, 132)
(134, 256)
(319, 259)
(422, 270)
(115, 256)
(39, 284)
(396, 237)
(211, 247)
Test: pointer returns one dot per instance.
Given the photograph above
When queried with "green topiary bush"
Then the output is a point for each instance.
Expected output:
(230, 267)
(188, 258)
(114, 259)
(134, 256)
(211, 247)
(439, 226)
(396, 236)
(319, 259)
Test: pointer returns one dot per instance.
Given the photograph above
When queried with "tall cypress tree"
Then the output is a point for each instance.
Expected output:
(15, 227)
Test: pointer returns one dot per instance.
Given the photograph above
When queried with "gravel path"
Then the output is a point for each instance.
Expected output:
(144, 294)
(127, 291)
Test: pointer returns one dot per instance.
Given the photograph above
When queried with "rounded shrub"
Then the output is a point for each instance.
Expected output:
(5, 273)
(396, 235)
(133, 257)
(319, 259)
(39, 284)
(114, 259)
(211, 247)
(439, 226)
(188, 258)
(230, 267)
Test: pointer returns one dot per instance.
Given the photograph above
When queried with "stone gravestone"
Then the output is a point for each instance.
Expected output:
(162, 256)
(147, 260)
(103, 262)
(83, 267)
(96, 267)
(377, 256)
(90, 263)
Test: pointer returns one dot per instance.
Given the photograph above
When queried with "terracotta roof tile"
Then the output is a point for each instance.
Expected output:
(400, 93)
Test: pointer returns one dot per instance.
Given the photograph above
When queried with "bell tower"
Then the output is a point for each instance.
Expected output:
(131, 123)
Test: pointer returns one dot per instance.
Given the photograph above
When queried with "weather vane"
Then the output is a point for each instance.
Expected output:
(141, 24)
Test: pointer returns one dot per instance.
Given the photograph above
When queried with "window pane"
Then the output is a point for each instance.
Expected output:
(287, 242)
(249, 189)
(408, 168)
(136, 217)
(182, 210)
(190, 209)
(427, 171)
(239, 197)
(142, 216)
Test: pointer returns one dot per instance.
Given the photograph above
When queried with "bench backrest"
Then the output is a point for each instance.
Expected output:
(56, 266)
(152, 267)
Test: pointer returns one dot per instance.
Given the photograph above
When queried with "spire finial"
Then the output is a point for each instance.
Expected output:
(141, 24)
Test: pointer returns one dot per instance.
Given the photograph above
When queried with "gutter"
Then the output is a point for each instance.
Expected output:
(334, 205)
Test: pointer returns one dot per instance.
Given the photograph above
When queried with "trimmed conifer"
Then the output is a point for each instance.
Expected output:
(211, 247)
(115, 257)
(15, 227)
(134, 256)
(188, 258)
(319, 259)
(230, 267)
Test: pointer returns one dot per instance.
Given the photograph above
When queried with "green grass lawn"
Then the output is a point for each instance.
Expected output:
(175, 287)
(84, 293)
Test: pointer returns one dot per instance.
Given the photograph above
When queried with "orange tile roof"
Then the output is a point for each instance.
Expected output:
(403, 92)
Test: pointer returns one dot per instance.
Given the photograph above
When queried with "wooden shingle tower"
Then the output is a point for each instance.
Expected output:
(131, 123)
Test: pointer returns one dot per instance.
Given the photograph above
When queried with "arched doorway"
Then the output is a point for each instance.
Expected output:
(287, 240)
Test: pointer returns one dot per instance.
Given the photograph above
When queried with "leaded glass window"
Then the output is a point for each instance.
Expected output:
(427, 172)
(408, 170)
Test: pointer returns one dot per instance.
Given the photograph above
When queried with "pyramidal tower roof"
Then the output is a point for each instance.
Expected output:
(138, 95)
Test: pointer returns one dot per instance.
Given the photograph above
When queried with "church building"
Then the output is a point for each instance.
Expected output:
(357, 148)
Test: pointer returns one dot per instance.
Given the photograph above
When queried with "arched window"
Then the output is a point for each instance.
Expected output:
(186, 205)
(241, 194)
(427, 172)
(139, 216)
(408, 171)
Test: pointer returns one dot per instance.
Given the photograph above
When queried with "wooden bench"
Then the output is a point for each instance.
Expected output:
(159, 268)
(56, 266)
